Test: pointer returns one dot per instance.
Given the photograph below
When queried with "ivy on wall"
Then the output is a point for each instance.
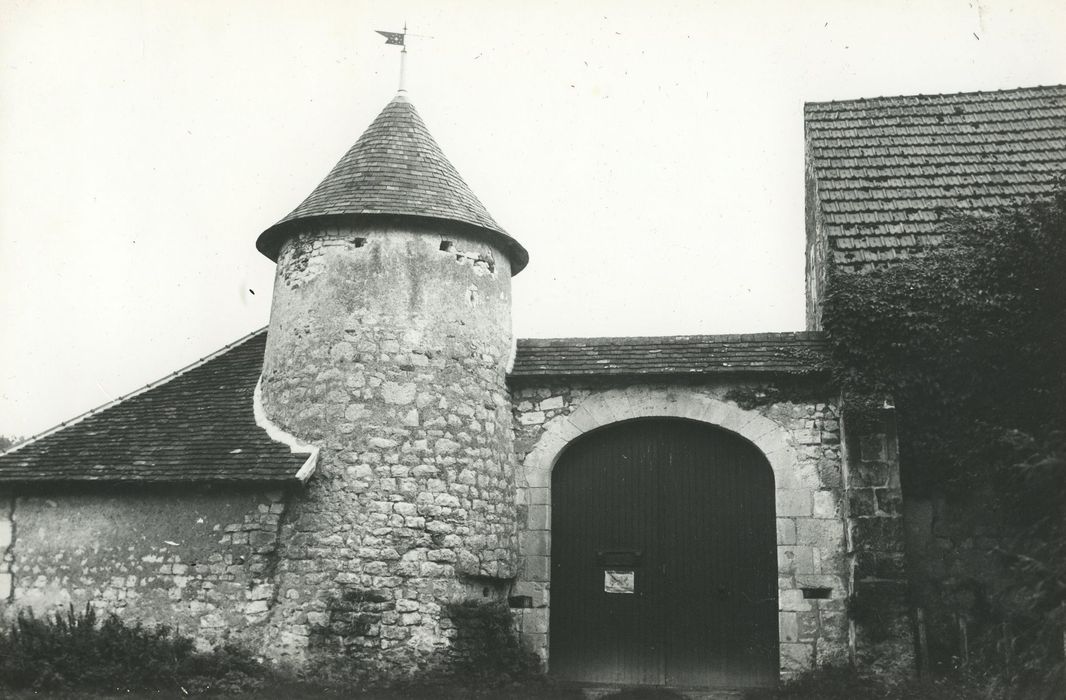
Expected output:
(969, 342)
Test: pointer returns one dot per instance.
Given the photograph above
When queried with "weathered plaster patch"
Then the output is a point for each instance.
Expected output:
(296, 446)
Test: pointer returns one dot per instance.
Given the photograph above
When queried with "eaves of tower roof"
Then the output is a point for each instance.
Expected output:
(395, 168)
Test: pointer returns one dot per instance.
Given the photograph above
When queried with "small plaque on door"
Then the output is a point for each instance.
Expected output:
(618, 580)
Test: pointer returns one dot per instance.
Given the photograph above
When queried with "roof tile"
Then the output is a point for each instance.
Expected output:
(800, 353)
(888, 169)
(395, 168)
(196, 426)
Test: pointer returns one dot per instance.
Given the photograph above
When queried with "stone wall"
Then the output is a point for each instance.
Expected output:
(200, 561)
(958, 571)
(876, 535)
(800, 438)
(387, 351)
(816, 247)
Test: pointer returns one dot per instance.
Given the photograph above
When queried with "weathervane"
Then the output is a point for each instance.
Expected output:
(399, 39)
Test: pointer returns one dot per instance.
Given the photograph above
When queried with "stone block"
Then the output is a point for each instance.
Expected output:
(808, 625)
(534, 543)
(796, 657)
(545, 451)
(821, 581)
(584, 420)
(795, 560)
(825, 504)
(889, 501)
(786, 531)
(563, 428)
(536, 568)
(873, 448)
(819, 532)
(739, 420)
(537, 477)
(788, 626)
(538, 496)
(5, 586)
(398, 393)
(861, 502)
(551, 404)
(531, 418)
(878, 534)
(792, 600)
(791, 502)
(535, 621)
(877, 565)
(872, 474)
(5, 533)
(539, 517)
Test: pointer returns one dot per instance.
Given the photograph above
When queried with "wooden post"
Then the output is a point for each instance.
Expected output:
(964, 641)
(923, 642)
(853, 646)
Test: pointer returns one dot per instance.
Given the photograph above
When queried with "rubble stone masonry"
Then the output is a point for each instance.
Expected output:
(387, 350)
(200, 561)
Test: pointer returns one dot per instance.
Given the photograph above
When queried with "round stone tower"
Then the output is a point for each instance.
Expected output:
(389, 339)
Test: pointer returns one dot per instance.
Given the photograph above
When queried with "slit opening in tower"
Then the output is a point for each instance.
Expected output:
(359, 242)
(447, 246)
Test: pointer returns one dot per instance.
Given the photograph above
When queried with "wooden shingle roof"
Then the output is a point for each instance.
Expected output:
(197, 426)
(395, 168)
(798, 353)
(887, 170)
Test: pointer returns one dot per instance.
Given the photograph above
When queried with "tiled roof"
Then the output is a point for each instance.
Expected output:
(798, 353)
(196, 426)
(887, 169)
(395, 168)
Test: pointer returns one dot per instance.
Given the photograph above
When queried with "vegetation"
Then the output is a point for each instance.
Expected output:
(486, 647)
(846, 683)
(77, 651)
(969, 342)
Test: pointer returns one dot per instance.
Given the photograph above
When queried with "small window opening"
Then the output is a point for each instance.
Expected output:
(520, 601)
(817, 593)
(359, 242)
(447, 246)
(485, 592)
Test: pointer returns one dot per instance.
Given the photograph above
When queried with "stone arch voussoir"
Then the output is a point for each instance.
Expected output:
(614, 405)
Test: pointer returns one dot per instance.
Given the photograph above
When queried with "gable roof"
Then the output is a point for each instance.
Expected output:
(395, 168)
(886, 170)
(198, 425)
(798, 353)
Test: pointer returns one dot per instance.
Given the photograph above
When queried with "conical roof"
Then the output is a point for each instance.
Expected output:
(395, 168)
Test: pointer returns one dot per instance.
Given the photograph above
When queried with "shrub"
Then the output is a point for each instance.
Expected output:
(486, 647)
(969, 341)
(846, 683)
(76, 650)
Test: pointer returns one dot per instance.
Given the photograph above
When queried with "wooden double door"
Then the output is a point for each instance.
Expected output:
(663, 558)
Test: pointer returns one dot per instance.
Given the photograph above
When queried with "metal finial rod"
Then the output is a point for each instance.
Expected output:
(399, 39)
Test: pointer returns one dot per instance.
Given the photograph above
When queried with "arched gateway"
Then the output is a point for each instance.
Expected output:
(664, 567)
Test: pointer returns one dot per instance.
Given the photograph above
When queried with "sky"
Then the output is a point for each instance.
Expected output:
(648, 155)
